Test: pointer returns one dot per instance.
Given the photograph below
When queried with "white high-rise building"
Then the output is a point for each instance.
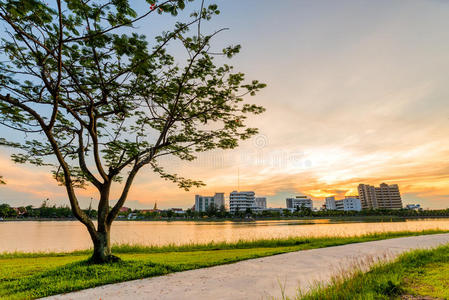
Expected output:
(330, 203)
(298, 202)
(202, 203)
(240, 201)
(347, 204)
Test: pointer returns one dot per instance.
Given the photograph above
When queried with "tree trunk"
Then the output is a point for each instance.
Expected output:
(102, 248)
(101, 237)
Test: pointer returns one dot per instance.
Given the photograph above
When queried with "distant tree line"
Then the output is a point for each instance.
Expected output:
(302, 212)
(384, 212)
(45, 211)
(307, 212)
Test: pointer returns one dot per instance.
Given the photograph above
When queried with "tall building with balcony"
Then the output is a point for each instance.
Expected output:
(202, 203)
(388, 196)
(240, 201)
(367, 196)
(298, 202)
(382, 197)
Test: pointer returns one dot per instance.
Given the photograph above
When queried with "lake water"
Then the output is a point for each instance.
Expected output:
(30, 236)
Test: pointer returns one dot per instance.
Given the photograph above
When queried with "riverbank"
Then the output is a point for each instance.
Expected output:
(34, 275)
(420, 274)
(334, 219)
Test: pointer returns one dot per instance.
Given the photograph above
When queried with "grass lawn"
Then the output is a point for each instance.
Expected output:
(420, 274)
(33, 275)
(431, 279)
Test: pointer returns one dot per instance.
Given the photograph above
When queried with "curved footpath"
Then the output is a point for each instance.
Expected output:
(261, 278)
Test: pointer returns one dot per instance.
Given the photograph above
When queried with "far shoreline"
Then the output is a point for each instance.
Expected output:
(336, 219)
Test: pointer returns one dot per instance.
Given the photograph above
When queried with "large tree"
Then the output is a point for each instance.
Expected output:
(98, 102)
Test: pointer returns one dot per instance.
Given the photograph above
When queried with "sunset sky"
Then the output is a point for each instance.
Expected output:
(358, 92)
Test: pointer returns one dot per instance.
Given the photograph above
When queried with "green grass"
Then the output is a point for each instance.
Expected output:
(419, 273)
(432, 279)
(33, 275)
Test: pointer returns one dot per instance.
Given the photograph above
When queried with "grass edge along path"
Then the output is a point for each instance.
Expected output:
(417, 274)
(33, 275)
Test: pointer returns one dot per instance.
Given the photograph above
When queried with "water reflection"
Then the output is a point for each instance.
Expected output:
(32, 236)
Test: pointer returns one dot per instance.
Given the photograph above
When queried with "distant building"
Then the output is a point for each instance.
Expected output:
(367, 195)
(154, 210)
(413, 206)
(298, 202)
(383, 197)
(124, 209)
(178, 210)
(202, 203)
(219, 200)
(260, 202)
(388, 196)
(240, 201)
(348, 204)
(330, 203)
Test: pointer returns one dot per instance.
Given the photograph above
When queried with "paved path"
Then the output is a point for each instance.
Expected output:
(259, 278)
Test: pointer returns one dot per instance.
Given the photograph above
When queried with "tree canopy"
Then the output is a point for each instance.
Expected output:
(98, 102)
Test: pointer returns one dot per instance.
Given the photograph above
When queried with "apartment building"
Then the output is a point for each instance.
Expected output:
(240, 201)
(330, 203)
(350, 203)
(298, 202)
(202, 203)
(382, 197)
(367, 196)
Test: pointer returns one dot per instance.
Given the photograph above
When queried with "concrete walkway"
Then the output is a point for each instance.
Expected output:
(261, 278)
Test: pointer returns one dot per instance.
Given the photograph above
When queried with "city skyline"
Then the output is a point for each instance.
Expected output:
(349, 100)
